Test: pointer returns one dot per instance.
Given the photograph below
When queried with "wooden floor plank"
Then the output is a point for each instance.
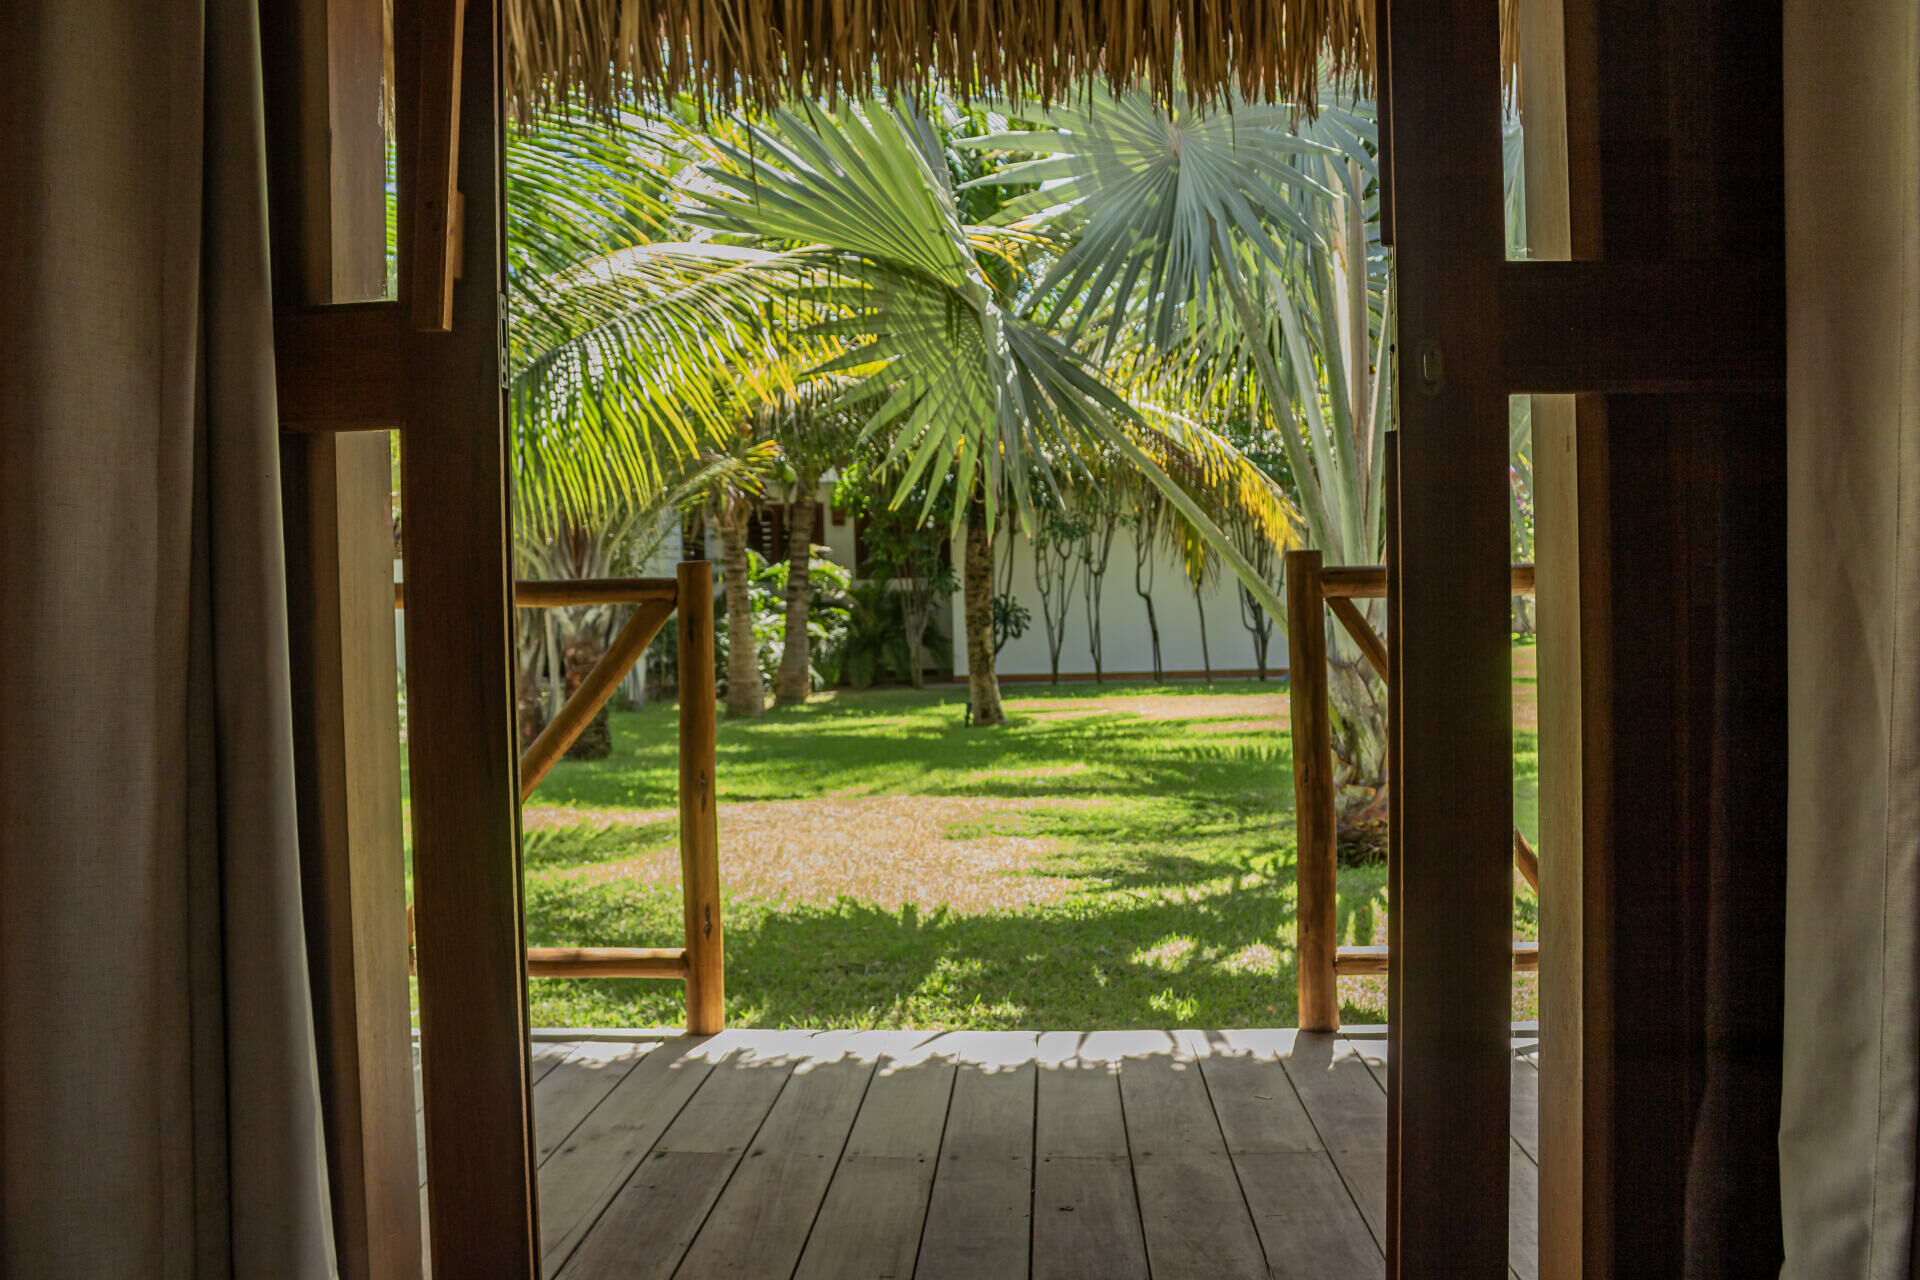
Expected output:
(576, 1086)
(760, 1223)
(646, 1230)
(1349, 1110)
(1252, 1096)
(1193, 1213)
(589, 1168)
(869, 1226)
(545, 1055)
(1079, 1096)
(1525, 1118)
(1308, 1223)
(870, 1223)
(1086, 1214)
(905, 1108)
(1523, 1214)
(980, 1217)
(647, 1227)
(803, 1156)
(1086, 1222)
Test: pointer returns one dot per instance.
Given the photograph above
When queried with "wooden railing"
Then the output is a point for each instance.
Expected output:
(1319, 959)
(700, 963)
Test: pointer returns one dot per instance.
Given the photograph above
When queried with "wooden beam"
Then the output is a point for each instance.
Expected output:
(550, 593)
(531, 593)
(1316, 859)
(1369, 581)
(1371, 646)
(585, 702)
(1357, 962)
(471, 944)
(699, 819)
(341, 368)
(1526, 860)
(1638, 326)
(607, 962)
(1558, 615)
(1560, 114)
(430, 263)
(1451, 895)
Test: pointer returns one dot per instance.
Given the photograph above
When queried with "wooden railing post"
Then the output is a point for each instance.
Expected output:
(699, 828)
(1316, 872)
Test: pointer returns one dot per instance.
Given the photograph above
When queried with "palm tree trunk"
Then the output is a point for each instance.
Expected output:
(578, 656)
(1359, 744)
(745, 695)
(983, 683)
(794, 680)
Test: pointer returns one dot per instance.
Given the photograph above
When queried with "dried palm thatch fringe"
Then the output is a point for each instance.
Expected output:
(564, 53)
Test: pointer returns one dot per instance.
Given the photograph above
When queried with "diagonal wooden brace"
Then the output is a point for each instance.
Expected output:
(580, 709)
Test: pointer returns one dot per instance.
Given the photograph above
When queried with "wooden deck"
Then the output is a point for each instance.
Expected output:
(999, 1155)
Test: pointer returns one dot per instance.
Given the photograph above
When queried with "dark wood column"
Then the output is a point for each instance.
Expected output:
(1451, 892)
(470, 942)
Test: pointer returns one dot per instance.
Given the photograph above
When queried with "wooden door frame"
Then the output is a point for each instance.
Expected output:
(1474, 329)
(430, 366)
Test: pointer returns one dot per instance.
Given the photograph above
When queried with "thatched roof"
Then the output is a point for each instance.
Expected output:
(592, 52)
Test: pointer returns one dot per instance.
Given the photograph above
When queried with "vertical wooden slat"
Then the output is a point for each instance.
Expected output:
(1390, 519)
(1453, 908)
(1316, 870)
(325, 89)
(470, 942)
(340, 567)
(1560, 116)
(699, 826)
(1383, 111)
(436, 198)
(323, 83)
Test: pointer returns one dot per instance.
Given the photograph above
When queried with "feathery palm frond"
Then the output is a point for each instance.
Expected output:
(626, 340)
(1242, 246)
(966, 381)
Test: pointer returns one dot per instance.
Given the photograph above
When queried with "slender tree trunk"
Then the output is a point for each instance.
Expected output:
(745, 695)
(1143, 564)
(983, 683)
(1205, 657)
(1259, 627)
(795, 679)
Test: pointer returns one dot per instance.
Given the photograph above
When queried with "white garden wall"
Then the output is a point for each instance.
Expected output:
(1127, 648)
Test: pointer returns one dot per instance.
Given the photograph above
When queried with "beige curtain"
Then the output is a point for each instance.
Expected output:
(1852, 1090)
(160, 1113)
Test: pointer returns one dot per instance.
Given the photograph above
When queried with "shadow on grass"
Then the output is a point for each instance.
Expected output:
(1166, 955)
(913, 741)
(1215, 963)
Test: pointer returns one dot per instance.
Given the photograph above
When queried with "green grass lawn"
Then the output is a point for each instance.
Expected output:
(1116, 857)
